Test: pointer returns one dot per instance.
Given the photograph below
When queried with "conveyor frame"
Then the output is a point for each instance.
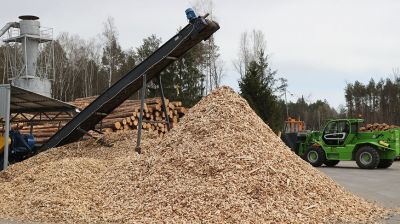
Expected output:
(195, 32)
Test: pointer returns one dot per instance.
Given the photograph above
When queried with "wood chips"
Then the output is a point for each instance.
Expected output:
(221, 163)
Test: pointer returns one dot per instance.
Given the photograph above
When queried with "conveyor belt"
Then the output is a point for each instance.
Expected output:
(188, 37)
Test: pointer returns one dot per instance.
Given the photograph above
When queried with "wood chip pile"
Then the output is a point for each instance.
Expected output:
(124, 117)
(377, 127)
(221, 163)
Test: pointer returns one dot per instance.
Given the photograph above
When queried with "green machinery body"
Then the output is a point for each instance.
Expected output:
(341, 140)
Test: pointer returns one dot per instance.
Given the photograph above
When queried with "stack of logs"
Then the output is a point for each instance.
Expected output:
(124, 117)
(42, 133)
(377, 127)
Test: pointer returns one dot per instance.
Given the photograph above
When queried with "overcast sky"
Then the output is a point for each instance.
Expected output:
(317, 45)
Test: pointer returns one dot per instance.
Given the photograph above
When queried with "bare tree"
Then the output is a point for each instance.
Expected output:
(214, 65)
(250, 47)
(77, 63)
(396, 71)
(243, 60)
(204, 6)
(61, 83)
(94, 56)
(110, 34)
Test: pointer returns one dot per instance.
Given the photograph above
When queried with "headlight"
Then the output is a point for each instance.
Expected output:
(384, 143)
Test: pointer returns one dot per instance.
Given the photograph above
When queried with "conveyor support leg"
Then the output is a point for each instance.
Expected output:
(143, 96)
(164, 107)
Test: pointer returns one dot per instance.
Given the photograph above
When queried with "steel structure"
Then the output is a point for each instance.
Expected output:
(197, 30)
(20, 105)
(30, 54)
(5, 93)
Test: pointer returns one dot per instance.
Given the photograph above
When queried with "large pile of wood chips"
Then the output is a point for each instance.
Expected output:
(222, 163)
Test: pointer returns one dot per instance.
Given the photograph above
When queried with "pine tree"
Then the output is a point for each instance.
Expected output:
(150, 44)
(257, 86)
(183, 80)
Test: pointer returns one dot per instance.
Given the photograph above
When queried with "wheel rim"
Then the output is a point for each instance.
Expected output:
(312, 156)
(365, 158)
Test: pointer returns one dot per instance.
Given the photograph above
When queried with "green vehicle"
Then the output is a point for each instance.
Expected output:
(341, 140)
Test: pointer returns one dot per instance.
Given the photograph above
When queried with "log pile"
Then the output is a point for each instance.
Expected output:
(42, 133)
(125, 117)
(221, 164)
(377, 127)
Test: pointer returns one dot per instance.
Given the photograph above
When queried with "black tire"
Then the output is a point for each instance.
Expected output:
(315, 156)
(385, 163)
(367, 157)
(331, 163)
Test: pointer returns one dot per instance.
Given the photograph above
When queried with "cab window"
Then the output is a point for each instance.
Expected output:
(354, 128)
(343, 126)
(331, 128)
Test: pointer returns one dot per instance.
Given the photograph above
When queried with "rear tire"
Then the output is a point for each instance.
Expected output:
(331, 163)
(385, 163)
(315, 156)
(367, 157)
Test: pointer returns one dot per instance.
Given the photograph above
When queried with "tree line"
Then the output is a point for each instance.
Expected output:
(376, 101)
(314, 114)
(88, 67)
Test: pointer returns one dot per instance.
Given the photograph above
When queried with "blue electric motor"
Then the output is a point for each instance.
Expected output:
(190, 15)
(21, 144)
(30, 140)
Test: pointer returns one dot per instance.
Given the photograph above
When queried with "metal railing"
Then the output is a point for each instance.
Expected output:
(15, 64)
(46, 32)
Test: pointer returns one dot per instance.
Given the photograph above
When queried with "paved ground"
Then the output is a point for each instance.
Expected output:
(380, 185)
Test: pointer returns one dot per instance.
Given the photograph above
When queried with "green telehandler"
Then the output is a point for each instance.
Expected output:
(341, 140)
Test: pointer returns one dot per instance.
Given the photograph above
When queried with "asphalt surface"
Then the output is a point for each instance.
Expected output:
(379, 185)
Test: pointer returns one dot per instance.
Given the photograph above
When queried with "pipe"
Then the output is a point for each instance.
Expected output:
(8, 26)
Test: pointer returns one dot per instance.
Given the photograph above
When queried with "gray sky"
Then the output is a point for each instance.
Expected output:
(317, 45)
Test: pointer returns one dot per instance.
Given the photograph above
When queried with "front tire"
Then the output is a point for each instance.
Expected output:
(385, 163)
(315, 156)
(331, 163)
(367, 157)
